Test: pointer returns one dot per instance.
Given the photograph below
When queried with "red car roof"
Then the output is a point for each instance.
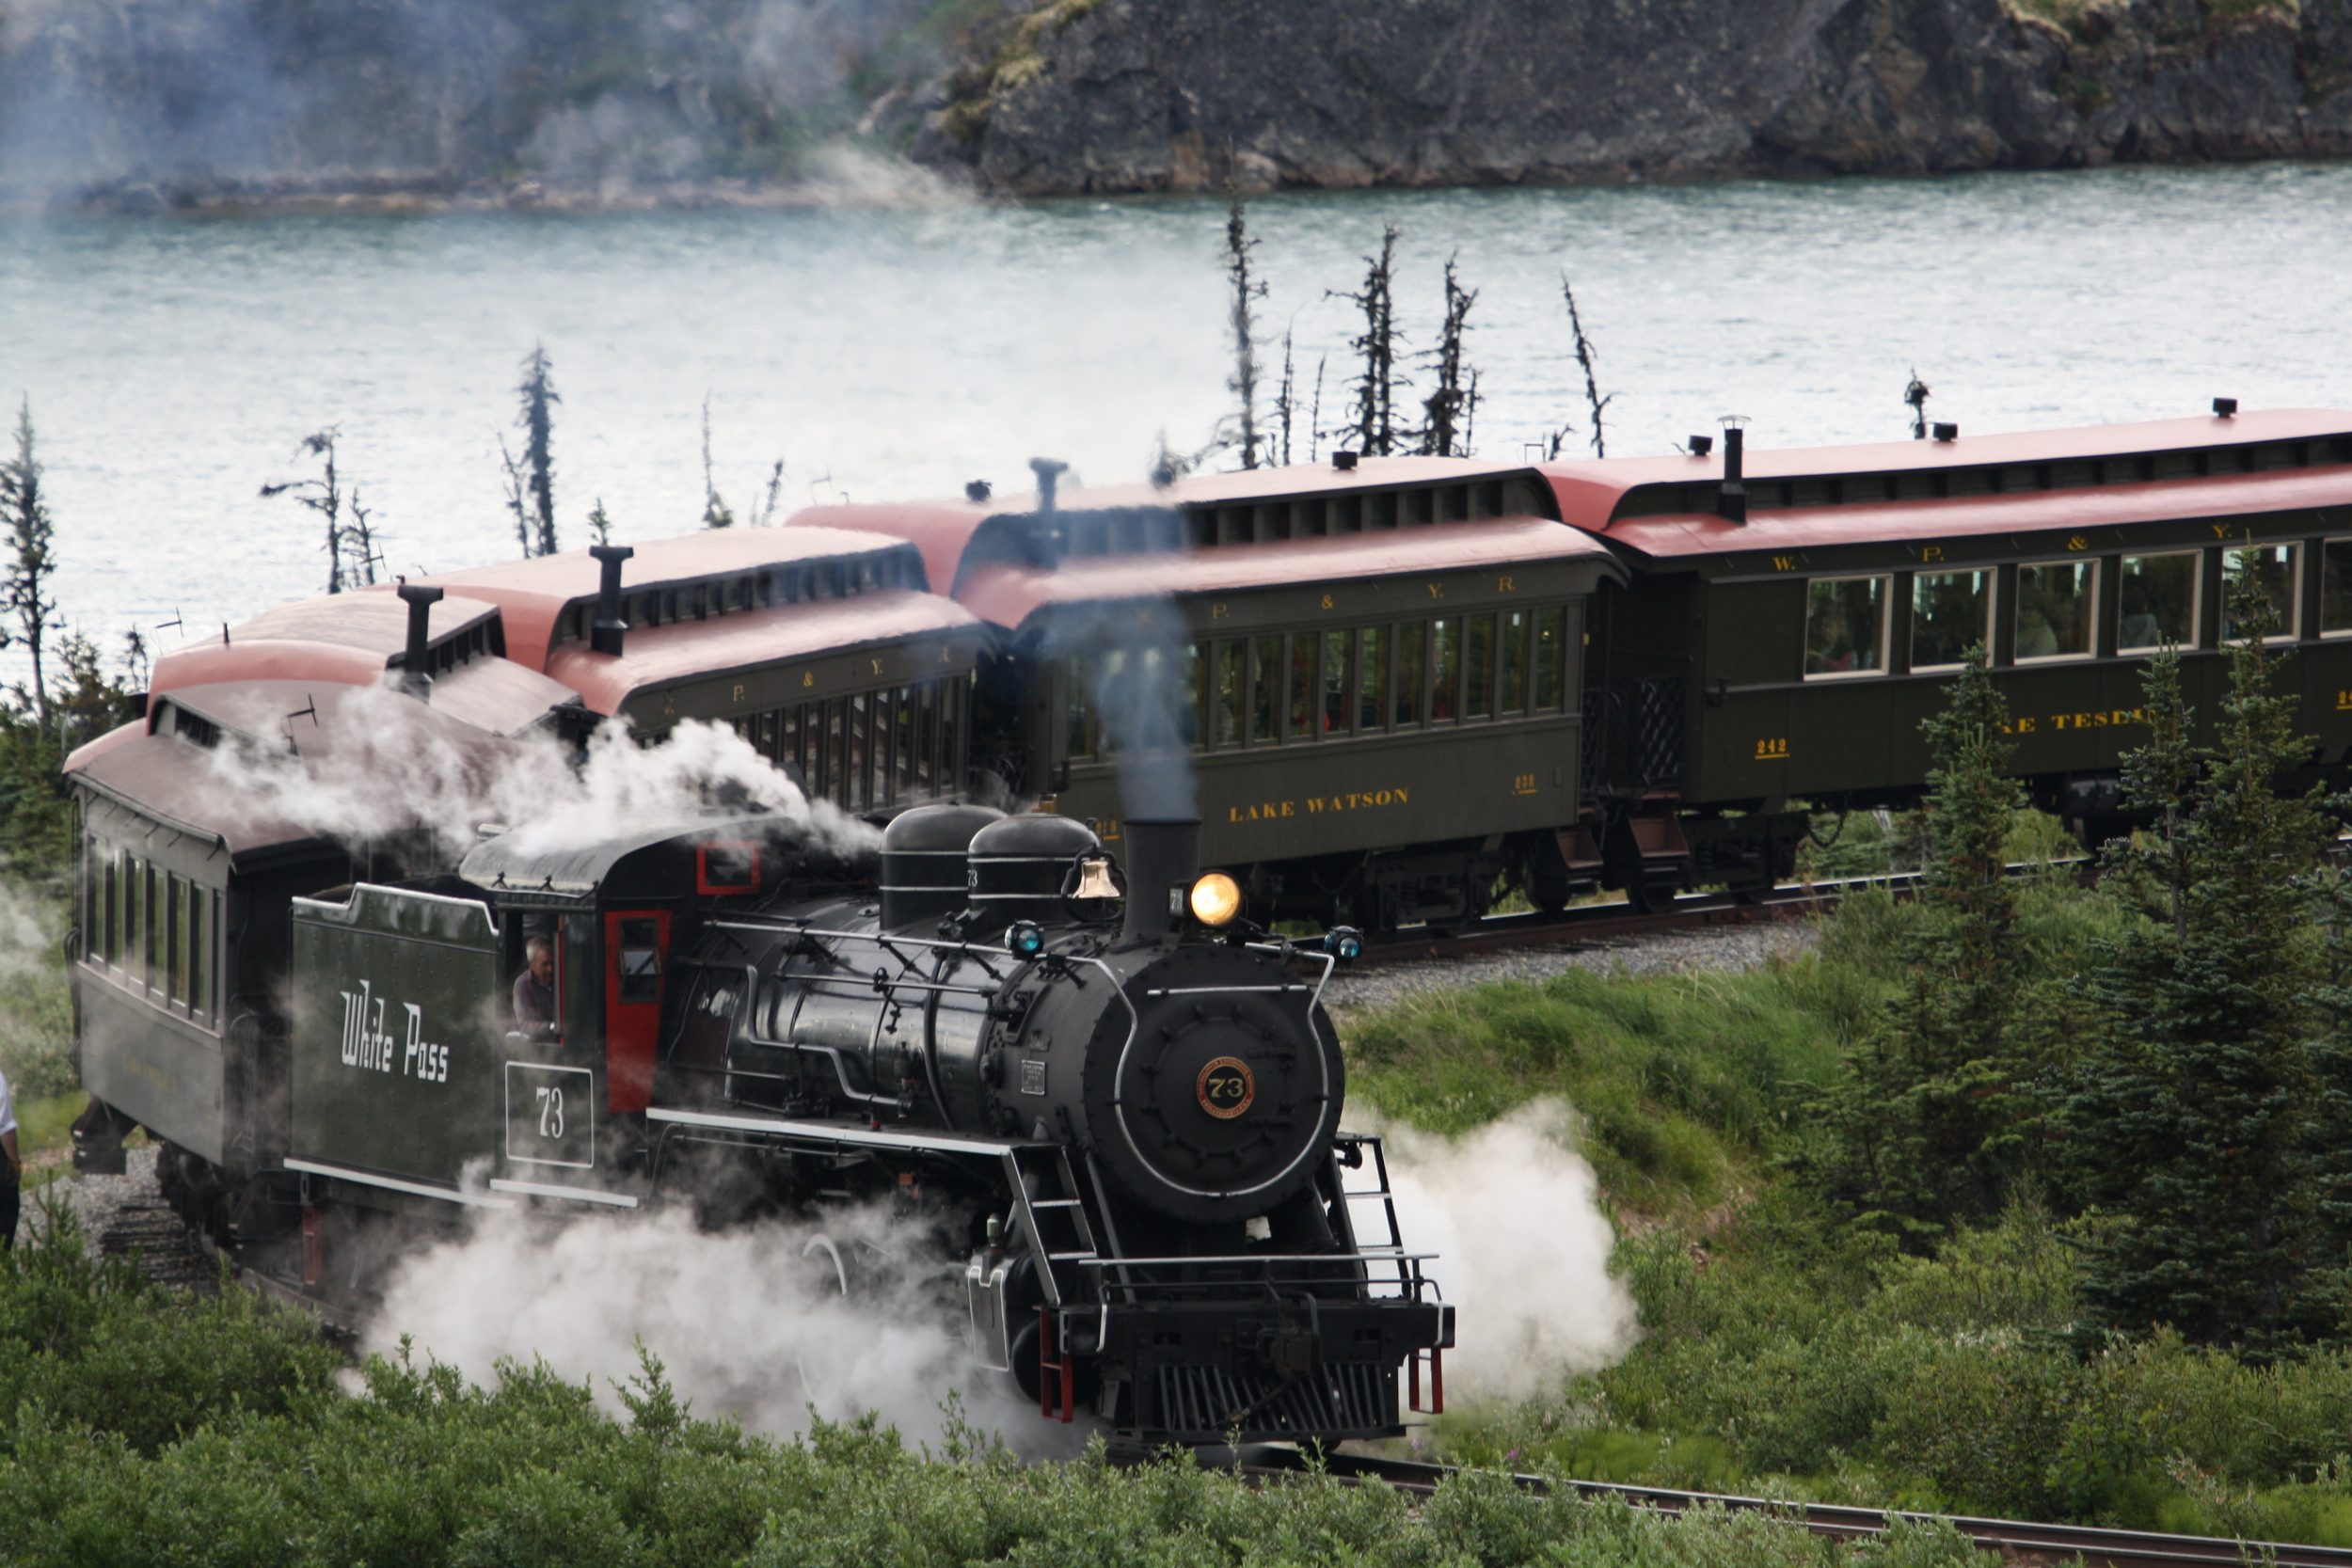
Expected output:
(2097, 506)
(744, 640)
(1009, 595)
(534, 593)
(350, 638)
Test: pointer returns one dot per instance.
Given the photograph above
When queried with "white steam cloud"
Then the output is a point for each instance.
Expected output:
(750, 1321)
(1513, 1213)
(385, 769)
(28, 942)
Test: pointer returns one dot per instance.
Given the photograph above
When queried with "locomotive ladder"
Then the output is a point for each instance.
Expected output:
(1058, 1227)
(1385, 1191)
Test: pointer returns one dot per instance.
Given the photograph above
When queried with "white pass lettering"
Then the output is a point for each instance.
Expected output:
(370, 1046)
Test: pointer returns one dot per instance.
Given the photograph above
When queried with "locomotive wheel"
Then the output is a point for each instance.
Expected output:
(819, 1246)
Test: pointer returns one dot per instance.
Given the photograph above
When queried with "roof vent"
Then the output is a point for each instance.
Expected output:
(1731, 500)
(413, 678)
(1948, 433)
(604, 636)
(977, 490)
(1049, 471)
(1702, 445)
(2225, 407)
(1343, 461)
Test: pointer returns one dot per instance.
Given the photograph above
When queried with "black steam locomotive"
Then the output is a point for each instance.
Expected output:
(1113, 1105)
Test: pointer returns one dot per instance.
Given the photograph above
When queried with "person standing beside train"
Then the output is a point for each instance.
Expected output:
(11, 1180)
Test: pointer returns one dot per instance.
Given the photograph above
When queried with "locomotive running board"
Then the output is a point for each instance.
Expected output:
(853, 1137)
(395, 1184)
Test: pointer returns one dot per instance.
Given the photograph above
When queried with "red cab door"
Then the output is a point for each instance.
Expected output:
(637, 952)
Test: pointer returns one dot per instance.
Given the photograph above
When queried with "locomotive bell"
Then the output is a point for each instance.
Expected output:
(1094, 878)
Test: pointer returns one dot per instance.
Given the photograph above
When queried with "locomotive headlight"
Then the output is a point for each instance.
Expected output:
(1024, 939)
(1214, 899)
(1344, 943)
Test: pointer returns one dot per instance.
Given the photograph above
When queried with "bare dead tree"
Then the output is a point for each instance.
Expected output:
(359, 544)
(716, 513)
(1917, 396)
(135, 660)
(1314, 414)
(1445, 412)
(32, 560)
(1377, 381)
(323, 496)
(518, 496)
(1238, 245)
(537, 421)
(1592, 382)
(765, 513)
(1285, 402)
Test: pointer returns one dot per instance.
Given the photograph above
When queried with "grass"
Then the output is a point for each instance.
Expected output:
(1676, 1078)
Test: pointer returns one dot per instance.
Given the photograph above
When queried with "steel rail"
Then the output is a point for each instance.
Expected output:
(2011, 1538)
(1690, 911)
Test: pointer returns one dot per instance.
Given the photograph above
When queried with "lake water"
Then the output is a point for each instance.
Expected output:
(173, 364)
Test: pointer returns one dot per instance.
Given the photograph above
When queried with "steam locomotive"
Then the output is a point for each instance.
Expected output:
(1111, 1104)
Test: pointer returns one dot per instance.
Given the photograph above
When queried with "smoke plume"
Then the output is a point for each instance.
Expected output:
(750, 1322)
(1523, 1250)
(387, 770)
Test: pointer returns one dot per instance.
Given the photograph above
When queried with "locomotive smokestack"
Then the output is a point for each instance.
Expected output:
(1162, 856)
(604, 636)
(1731, 502)
(414, 678)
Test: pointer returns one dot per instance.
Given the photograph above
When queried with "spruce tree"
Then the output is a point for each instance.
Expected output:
(536, 419)
(32, 555)
(1932, 1128)
(2192, 1124)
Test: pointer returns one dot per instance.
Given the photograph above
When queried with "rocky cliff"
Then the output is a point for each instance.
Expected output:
(1146, 95)
(169, 103)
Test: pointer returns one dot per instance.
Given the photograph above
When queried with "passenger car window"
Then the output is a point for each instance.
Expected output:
(2335, 588)
(2159, 594)
(2055, 601)
(1949, 611)
(1372, 689)
(2272, 568)
(1845, 622)
(1551, 648)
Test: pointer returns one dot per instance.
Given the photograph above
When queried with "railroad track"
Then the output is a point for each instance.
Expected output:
(1598, 922)
(2016, 1540)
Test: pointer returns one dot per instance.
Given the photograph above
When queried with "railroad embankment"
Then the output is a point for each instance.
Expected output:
(150, 1427)
(1153, 95)
(149, 104)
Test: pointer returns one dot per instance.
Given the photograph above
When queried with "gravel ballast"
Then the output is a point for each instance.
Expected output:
(1710, 947)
